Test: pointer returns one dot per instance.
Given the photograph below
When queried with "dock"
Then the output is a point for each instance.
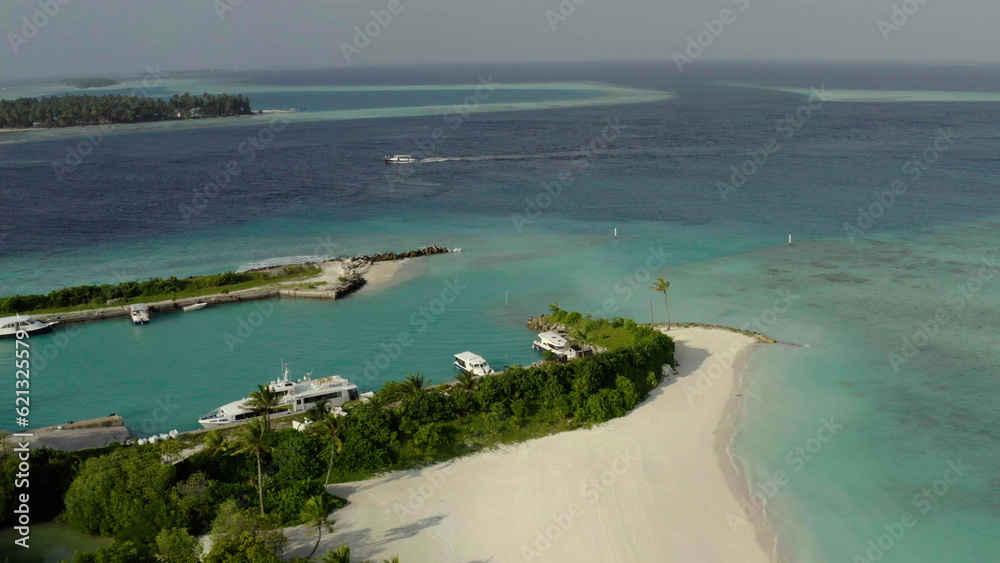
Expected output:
(76, 436)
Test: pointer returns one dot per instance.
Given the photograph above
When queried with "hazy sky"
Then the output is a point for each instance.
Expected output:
(97, 37)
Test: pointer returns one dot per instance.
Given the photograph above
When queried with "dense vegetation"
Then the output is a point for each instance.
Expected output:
(72, 110)
(248, 481)
(89, 82)
(155, 289)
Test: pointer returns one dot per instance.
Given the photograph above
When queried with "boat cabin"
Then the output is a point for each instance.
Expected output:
(472, 363)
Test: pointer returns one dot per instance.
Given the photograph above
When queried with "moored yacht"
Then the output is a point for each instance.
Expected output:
(472, 363)
(139, 313)
(293, 397)
(10, 326)
(401, 159)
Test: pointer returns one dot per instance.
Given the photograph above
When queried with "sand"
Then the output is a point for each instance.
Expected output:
(655, 485)
(377, 275)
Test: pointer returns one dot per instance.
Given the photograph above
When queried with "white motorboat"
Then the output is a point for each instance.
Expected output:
(10, 326)
(401, 159)
(557, 344)
(139, 313)
(194, 307)
(293, 397)
(472, 363)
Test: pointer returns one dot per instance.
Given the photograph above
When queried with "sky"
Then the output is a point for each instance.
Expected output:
(120, 37)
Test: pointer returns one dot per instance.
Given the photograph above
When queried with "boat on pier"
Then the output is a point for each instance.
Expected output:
(139, 313)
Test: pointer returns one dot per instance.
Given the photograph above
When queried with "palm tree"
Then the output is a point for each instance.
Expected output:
(579, 336)
(315, 514)
(253, 439)
(467, 381)
(662, 285)
(329, 426)
(554, 308)
(215, 442)
(341, 555)
(414, 384)
(263, 401)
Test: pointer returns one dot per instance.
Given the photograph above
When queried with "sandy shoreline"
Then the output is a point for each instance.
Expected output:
(656, 485)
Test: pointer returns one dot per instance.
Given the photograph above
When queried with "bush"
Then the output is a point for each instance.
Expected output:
(124, 494)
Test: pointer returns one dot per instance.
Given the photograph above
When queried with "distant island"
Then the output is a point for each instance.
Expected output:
(83, 83)
(74, 110)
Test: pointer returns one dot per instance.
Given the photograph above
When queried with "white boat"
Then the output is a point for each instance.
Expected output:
(293, 397)
(472, 363)
(194, 307)
(401, 159)
(139, 313)
(557, 344)
(10, 326)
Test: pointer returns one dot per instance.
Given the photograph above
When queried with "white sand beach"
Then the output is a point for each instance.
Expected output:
(651, 486)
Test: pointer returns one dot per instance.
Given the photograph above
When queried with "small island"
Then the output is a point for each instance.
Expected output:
(84, 83)
(75, 110)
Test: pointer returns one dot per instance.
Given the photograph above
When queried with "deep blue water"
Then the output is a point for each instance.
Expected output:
(321, 188)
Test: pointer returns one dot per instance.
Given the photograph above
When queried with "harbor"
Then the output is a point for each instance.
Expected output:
(337, 279)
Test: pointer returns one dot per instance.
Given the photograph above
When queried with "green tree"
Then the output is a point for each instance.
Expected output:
(315, 514)
(467, 381)
(176, 545)
(662, 285)
(252, 438)
(125, 494)
(241, 536)
(330, 426)
(341, 555)
(263, 401)
(414, 384)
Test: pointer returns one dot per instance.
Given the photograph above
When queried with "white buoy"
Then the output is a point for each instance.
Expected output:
(616, 232)
(789, 240)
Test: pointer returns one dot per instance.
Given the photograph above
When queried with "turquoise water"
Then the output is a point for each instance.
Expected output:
(852, 303)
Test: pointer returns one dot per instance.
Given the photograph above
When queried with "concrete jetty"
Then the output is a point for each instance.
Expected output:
(81, 435)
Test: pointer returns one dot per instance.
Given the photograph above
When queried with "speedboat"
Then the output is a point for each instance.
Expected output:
(10, 326)
(139, 313)
(401, 159)
(194, 307)
(472, 363)
(293, 397)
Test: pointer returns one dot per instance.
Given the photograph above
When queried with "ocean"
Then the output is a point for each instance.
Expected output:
(891, 284)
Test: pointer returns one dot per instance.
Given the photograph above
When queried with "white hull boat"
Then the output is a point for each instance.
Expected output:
(293, 397)
(10, 326)
(194, 307)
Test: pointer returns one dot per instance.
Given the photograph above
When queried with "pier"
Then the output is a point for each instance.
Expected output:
(76, 436)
